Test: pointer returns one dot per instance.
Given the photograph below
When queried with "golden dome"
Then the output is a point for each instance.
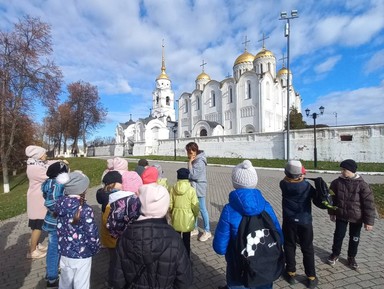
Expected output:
(203, 75)
(245, 57)
(282, 71)
(162, 75)
(264, 53)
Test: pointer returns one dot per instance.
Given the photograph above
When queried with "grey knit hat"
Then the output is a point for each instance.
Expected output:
(244, 175)
(293, 169)
(75, 183)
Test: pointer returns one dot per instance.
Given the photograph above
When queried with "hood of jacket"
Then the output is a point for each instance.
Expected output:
(67, 205)
(202, 157)
(181, 187)
(246, 201)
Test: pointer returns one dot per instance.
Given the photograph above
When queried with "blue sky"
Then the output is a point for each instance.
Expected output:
(337, 49)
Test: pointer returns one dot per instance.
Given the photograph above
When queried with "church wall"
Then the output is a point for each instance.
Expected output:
(367, 144)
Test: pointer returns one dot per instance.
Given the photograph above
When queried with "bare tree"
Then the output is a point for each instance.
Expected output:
(87, 110)
(26, 75)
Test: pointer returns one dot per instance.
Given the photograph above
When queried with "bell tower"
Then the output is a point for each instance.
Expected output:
(163, 97)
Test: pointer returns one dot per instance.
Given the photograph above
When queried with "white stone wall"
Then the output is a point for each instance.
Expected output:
(367, 145)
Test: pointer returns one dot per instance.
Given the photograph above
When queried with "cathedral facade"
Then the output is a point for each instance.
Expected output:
(253, 100)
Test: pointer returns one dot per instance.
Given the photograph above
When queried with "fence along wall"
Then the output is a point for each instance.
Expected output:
(362, 143)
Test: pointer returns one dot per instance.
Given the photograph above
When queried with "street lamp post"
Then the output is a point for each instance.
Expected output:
(284, 16)
(314, 116)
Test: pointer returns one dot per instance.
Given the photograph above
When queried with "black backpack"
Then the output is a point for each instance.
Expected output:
(322, 197)
(259, 250)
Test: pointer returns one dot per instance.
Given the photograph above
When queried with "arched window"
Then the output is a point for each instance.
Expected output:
(269, 66)
(157, 100)
(230, 95)
(197, 103)
(203, 132)
(167, 100)
(248, 93)
(261, 68)
(186, 106)
(213, 99)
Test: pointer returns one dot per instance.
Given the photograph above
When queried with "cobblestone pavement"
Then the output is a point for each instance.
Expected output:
(209, 268)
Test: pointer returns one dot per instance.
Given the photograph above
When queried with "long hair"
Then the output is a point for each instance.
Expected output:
(76, 217)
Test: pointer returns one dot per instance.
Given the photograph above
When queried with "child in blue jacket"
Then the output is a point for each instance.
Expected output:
(244, 200)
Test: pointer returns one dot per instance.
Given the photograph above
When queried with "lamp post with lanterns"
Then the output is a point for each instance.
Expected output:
(284, 16)
(314, 116)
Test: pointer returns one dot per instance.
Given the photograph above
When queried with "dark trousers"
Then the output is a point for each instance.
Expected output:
(354, 237)
(302, 234)
(112, 265)
(186, 236)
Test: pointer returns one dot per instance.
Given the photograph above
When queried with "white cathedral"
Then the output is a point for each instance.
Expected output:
(254, 100)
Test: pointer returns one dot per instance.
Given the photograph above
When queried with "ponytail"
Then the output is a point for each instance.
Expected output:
(76, 217)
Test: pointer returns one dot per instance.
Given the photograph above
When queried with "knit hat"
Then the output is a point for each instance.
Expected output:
(293, 169)
(110, 164)
(154, 202)
(112, 177)
(182, 174)
(244, 175)
(149, 175)
(35, 152)
(139, 170)
(75, 183)
(349, 165)
(57, 168)
(120, 164)
(142, 162)
(131, 181)
(159, 170)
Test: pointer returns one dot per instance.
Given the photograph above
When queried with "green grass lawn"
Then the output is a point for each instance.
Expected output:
(14, 203)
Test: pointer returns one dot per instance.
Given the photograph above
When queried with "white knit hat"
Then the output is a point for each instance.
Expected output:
(244, 175)
(154, 200)
(35, 152)
(293, 169)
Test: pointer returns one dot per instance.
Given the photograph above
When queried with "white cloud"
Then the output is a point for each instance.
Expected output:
(376, 62)
(328, 64)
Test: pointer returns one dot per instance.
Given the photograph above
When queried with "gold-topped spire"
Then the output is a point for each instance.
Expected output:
(163, 74)
(203, 75)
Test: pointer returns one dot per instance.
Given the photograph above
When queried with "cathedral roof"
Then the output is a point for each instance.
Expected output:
(203, 75)
(264, 53)
(283, 70)
(245, 57)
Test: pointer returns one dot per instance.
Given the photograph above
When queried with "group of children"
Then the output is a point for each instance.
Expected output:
(139, 211)
(353, 206)
(126, 197)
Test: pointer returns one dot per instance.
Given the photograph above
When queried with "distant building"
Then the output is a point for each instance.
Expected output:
(253, 100)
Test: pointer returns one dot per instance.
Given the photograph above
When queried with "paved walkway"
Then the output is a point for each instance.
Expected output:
(209, 269)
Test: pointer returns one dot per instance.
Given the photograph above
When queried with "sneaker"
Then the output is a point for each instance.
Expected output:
(205, 236)
(37, 254)
(54, 284)
(195, 232)
(312, 282)
(41, 247)
(289, 277)
(332, 259)
(352, 263)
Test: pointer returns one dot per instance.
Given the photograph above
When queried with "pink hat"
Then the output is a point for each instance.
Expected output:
(154, 201)
(110, 164)
(35, 152)
(150, 175)
(120, 164)
(131, 181)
